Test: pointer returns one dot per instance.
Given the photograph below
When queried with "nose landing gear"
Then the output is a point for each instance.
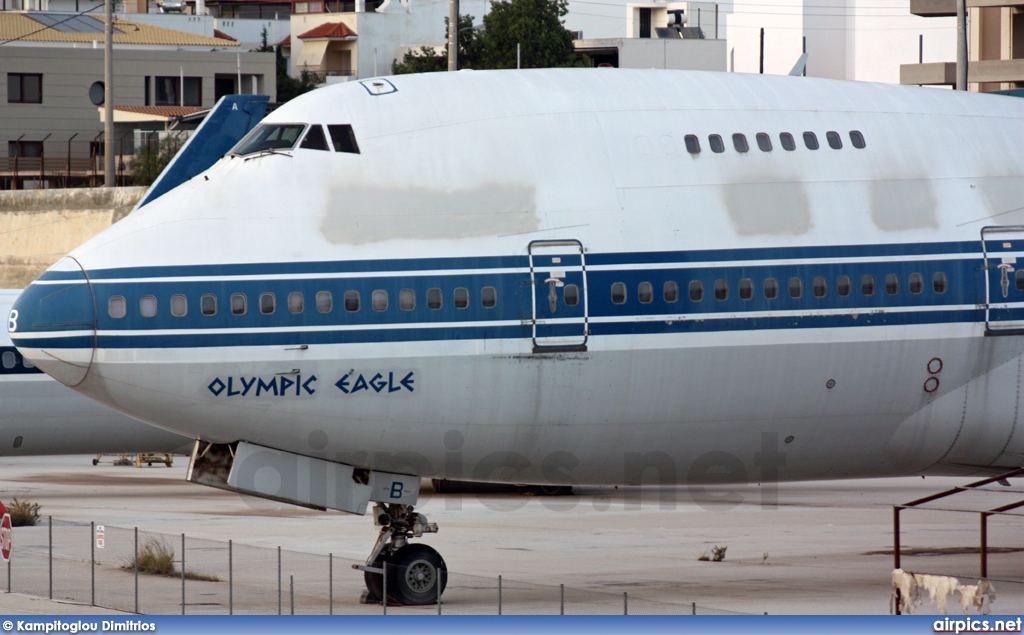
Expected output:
(415, 574)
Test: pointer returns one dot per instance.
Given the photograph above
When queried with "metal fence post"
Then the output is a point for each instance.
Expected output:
(279, 580)
(499, 595)
(231, 579)
(625, 603)
(136, 570)
(291, 593)
(330, 584)
(92, 543)
(384, 589)
(694, 607)
(182, 574)
(438, 585)
(51, 555)
(8, 576)
(561, 610)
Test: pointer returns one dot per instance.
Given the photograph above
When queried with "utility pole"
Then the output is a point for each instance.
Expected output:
(961, 44)
(108, 97)
(453, 35)
(761, 65)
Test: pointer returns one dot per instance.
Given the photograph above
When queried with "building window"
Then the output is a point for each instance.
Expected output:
(25, 149)
(169, 93)
(24, 88)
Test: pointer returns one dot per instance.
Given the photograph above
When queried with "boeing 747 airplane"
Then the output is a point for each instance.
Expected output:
(560, 277)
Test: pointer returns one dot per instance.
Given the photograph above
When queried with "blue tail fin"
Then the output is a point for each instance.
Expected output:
(230, 120)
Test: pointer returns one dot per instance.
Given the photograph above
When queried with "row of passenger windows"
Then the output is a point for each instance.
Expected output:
(770, 288)
(10, 360)
(764, 141)
(117, 306)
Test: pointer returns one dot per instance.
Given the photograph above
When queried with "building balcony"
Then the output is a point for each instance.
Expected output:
(982, 72)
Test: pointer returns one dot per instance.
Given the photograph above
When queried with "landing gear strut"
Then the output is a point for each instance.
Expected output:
(416, 574)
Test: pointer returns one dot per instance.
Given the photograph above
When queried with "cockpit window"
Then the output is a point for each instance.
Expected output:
(271, 137)
(343, 138)
(315, 139)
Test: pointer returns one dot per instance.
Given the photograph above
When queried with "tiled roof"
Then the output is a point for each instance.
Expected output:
(328, 30)
(162, 111)
(17, 26)
(287, 41)
(217, 33)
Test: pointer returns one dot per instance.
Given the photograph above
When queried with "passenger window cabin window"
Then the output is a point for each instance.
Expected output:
(715, 141)
(939, 282)
(696, 291)
(739, 142)
(434, 298)
(116, 307)
(208, 304)
(351, 301)
(721, 290)
(407, 299)
(819, 286)
(670, 292)
(771, 288)
(915, 283)
(619, 293)
(1018, 278)
(27, 363)
(314, 139)
(787, 142)
(892, 284)
(843, 286)
(811, 140)
(833, 139)
(268, 303)
(489, 297)
(867, 284)
(645, 293)
(461, 298)
(147, 306)
(238, 304)
(379, 300)
(857, 139)
(10, 360)
(179, 305)
(796, 288)
(296, 302)
(746, 289)
(343, 138)
(571, 293)
(324, 302)
(764, 142)
(692, 144)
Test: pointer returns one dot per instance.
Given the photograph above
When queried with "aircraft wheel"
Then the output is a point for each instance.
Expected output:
(95, 462)
(415, 573)
(375, 581)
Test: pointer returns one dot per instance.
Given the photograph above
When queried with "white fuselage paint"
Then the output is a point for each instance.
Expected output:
(458, 174)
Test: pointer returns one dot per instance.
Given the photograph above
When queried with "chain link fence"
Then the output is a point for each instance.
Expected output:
(96, 565)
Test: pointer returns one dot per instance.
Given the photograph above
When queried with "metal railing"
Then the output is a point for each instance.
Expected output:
(65, 561)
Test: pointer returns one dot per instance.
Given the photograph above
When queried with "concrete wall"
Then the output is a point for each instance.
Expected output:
(41, 226)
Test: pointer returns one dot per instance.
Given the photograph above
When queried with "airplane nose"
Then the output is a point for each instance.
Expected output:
(53, 322)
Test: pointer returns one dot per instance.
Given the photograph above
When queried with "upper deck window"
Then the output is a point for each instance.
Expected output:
(270, 137)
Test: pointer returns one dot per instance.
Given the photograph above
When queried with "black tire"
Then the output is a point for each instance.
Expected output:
(375, 581)
(95, 462)
(554, 490)
(415, 573)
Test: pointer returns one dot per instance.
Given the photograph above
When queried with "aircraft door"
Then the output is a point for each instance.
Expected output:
(558, 275)
(1003, 250)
